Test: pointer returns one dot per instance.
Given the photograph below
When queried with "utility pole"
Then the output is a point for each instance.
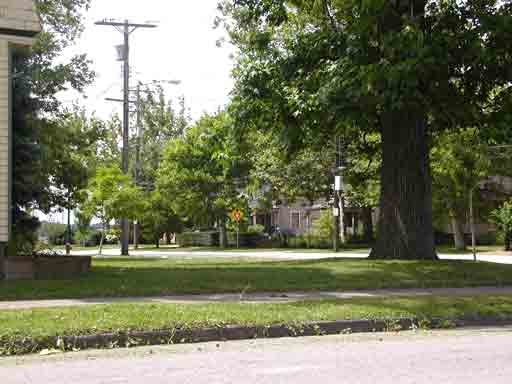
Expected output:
(140, 134)
(126, 28)
(68, 231)
(339, 225)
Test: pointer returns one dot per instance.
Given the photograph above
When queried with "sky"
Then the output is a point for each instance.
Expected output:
(183, 47)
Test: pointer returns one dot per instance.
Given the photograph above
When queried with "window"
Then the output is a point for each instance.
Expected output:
(295, 220)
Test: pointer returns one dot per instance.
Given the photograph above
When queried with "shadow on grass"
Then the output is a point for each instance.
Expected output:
(143, 277)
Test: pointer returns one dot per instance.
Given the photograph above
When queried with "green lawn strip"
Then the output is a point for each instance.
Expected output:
(449, 250)
(37, 324)
(125, 277)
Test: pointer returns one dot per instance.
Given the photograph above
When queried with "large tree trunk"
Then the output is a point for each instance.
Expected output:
(458, 223)
(405, 222)
(368, 225)
(102, 239)
(223, 238)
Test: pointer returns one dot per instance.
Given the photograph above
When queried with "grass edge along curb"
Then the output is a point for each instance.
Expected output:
(234, 332)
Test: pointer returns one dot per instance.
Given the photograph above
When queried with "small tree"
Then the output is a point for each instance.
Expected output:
(159, 218)
(502, 218)
(324, 227)
(112, 195)
(83, 227)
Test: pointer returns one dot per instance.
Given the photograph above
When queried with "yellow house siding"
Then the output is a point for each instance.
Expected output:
(18, 15)
(18, 23)
(4, 141)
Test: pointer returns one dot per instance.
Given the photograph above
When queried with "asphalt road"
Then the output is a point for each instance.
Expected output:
(451, 357)
(279, 255)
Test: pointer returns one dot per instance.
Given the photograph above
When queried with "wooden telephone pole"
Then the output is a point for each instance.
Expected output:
(126, 28)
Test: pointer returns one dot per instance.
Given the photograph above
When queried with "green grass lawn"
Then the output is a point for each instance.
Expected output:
(447, 249)
(124, 277)
(38, 323)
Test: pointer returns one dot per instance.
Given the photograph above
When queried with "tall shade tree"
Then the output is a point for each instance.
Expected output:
(40, 75)
(201, 173)
(460, 161)
(304, 175)
(405, 68)
(161, 123)
(462, 165)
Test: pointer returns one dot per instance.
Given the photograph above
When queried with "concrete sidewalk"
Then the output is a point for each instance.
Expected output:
(282, 297)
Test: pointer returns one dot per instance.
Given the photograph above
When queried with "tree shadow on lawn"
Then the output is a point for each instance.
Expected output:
(139, 278)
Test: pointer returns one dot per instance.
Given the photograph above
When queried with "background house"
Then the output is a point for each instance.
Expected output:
(298, 218)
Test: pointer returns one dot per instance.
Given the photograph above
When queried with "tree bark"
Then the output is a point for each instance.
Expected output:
(223, 238)
(343, 224)
(102, 239)
(368, 224)
(405, 222)
(458, 223)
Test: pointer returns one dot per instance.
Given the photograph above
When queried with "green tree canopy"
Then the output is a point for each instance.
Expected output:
(39, 75)
(311, 69)
(203, 173)
(112, 195)
(502, 218)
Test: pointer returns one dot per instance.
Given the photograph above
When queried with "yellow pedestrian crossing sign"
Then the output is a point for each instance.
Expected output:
(237, 215)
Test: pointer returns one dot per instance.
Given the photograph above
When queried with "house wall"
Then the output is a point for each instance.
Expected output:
(295, 217)
(18, 15)
(4, 141)
(18, 24)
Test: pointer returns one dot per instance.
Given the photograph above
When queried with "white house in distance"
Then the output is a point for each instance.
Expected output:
(19, 24)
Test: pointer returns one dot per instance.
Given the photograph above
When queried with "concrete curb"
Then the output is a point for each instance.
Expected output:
(227, 333)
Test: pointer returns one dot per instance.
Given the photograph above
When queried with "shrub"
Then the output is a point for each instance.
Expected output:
(198, 239)
(256, 229)
(324, 226)
(502, 218)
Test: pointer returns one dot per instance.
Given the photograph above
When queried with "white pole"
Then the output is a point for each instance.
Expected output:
(472, 223)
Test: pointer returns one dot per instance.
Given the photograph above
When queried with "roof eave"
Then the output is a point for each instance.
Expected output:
(18, 33)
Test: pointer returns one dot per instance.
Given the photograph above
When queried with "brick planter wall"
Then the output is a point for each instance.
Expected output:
(46, 268)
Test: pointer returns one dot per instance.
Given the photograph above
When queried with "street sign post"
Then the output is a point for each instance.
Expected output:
(237, 215)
